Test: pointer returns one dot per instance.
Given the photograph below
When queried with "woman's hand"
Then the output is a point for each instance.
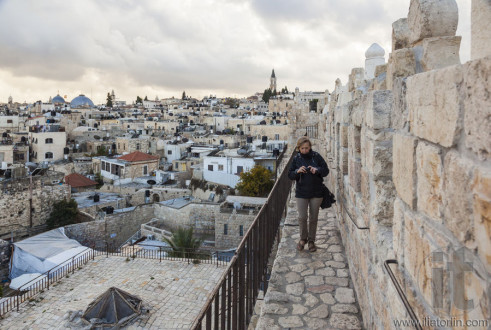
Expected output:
(302, 169)
(313, 170)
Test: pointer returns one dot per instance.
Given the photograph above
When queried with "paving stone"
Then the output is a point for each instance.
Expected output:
(345, 295)
(310, 300)
(344, 308)
(307, 272)
(334, 248)
(320, 312)
(338, 257)
(325, 272)
(314, 280)
(335, 264)
(344, 321)
(298, 268)
(342, 273)
(293, 277)
(314, 323)
(321, 289)
(336, 281)
(274, 309)
(299, 309)
(327, 298)
(291, 322)
(295, 289)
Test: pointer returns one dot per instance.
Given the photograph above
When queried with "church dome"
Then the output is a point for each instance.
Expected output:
(374, 51)
(81, 101)
(58, 99)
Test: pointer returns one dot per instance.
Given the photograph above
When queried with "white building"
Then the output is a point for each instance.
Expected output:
(225, 170)
(47, 146)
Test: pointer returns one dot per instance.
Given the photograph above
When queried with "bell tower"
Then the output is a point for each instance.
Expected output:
(272, 84)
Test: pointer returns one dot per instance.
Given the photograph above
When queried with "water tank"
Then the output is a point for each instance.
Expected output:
(147, 193)
(53, 113)
(249, 139)
(264, 139)
(109, 210)
(276, 152)
(96, 198)
(66, 151)
(222, 142)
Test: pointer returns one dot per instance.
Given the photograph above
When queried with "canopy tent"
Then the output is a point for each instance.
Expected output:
(43, 252)
(113, 308)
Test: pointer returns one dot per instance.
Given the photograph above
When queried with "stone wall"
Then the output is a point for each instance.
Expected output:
(409, 157)
(5, 252)
(233, 220)
(114, 229)
(15, 201)
(200, 216)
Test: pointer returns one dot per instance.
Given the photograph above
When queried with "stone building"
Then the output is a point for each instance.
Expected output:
(408, 150)
(28, 205)
(47, 143)
(127, 167)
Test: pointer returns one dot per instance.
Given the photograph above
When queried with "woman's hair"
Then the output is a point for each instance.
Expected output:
(303, 140)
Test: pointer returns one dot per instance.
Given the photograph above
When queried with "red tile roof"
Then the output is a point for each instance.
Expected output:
(77, 180)
(138, 156)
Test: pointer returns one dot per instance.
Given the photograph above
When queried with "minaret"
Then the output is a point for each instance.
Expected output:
(272, 84)
(113, 96)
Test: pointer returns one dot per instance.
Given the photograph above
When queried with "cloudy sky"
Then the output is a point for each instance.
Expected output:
(160, 48)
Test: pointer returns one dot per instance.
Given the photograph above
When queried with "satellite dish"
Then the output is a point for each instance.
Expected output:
(97, 137)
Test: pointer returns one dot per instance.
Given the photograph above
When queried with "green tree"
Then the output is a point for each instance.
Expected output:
(267, 95)
(102, 151)
(63, 214)
(255, 183)
(139, 100)
(284, 90)
(231, 102)
(146, 98)
(183, 243)
(109, 101)
(184, 95)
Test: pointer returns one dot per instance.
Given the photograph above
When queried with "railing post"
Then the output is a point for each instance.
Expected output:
(160, 254)
(73, 265)
(48, 279)
(107, 250)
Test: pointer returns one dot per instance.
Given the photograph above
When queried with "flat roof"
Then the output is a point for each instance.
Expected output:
(173, 292)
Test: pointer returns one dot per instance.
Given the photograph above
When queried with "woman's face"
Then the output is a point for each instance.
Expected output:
(305, 148)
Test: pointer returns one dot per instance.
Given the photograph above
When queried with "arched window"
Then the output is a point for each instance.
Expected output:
(48, 141)
(48, 155)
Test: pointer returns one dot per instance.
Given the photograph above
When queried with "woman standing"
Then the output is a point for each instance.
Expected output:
(308, 169)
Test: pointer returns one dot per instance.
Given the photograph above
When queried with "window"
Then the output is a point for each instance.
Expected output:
(210, 168)
(9, 121)
(169, 152)
(241, 230)
(276, 137)
(137, 146)
(225, 229)
(48, 155)
(240, 169)
(145, 169)
(220, 167)
(119, 147)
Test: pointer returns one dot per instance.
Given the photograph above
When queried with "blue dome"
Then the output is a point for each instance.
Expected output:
(58, 99)
(81, 101)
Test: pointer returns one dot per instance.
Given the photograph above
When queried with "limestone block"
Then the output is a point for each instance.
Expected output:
(379, 106)
(342, 114)
(382, 202)
(343, 136)
(365, 186)
(433, 102)
(481, 193)
(404, 168)
(456, 196)
(354, 173)
(379, 158)
(356, 78)
(380, 81)
(354, 141)
(432, 18)
(440, 52)
(480, 36)
(429, 172)
(399, 116)
(402, 63)
(477, 106)
(343, 161)
(400, 34)
(398, 230)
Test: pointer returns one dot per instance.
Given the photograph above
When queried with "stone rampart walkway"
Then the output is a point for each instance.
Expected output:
(310, 290)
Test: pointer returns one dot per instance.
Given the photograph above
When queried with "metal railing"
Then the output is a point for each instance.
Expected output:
(231, 304)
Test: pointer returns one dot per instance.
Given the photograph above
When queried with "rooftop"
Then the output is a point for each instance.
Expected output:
(173, 292)
(78, 180)
(138, 156)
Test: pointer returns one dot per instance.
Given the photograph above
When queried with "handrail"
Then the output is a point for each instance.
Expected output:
(343, 202)
(403, 297)
(232, 300)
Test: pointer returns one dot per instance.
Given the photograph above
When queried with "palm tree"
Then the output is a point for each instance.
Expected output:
(183, 243)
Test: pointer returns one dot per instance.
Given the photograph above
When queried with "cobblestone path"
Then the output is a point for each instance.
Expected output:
(310, 290)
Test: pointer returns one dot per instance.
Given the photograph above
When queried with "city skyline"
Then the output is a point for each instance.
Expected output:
(224, 48)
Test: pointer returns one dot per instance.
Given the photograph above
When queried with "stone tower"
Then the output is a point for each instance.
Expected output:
(272, 84)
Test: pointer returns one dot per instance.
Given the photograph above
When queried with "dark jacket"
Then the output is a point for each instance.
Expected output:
(308, 185)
